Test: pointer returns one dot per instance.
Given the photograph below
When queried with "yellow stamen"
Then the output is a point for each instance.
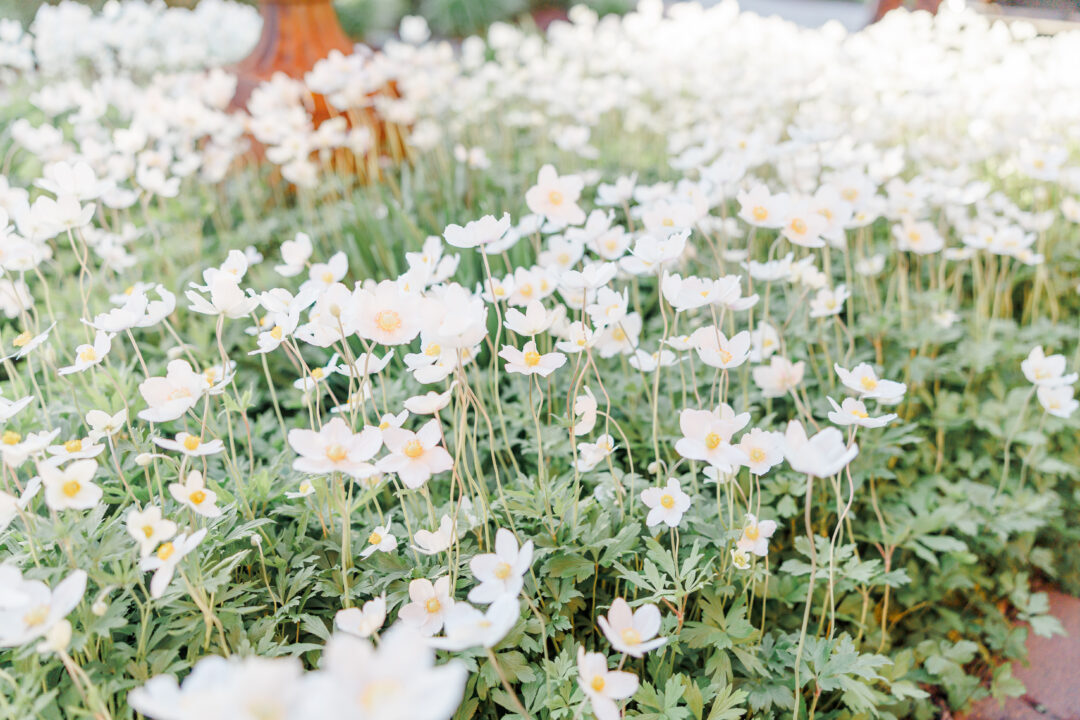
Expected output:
(165, 551)
(502, 570)
(388, 320)
(73, 446)
(667, 501)
(192, 443)
(532, 358)
(71, 488)
(413, 449)
(197, 497)
(630, 636)
(555, 197)
(336, 453)
(433, 605)
(22, 339)
(712, 441)
(597, 683)
(10, 437)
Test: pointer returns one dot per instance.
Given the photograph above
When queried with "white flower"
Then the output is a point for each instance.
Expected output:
(585, 409)
(433, 543)
(388, 315)
(500, 573)
(335, 448)
(466, 626)
(853, 412)
(226, 298)
(380, 540)
(715, 350)
(362, 622)
(74, 449)
(532, 322)
(190, 445)
(763, 450)
(70, 488)
(632, 632)
(398, 681)
(194, 493)
(171, 396)
(429, 403)
(529, 361)
(602, 686)
(1046, 370)
(823, 455)
(740, 559)
(779, 377)
(29, 609)
(102, 424)
(89, 355)
(24, 341)
(294, 255)
(480, 232)
(755, 535)
(865, 382)
(707, 436)
(592, 454)
(415, 456)
(556, 197)
(163, 563)
(149, 528)
(429, 605)
(828, 301)
(666, 505)
(1057, 400)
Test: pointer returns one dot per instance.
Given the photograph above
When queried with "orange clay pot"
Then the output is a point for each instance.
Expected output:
(296, 34)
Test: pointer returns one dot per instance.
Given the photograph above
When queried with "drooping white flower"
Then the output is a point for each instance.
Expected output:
(163, 563)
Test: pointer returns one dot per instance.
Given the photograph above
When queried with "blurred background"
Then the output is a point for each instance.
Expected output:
(367, 18)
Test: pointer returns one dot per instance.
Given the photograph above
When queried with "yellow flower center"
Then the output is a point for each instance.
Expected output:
(383, 425)
(433, 605)
(36, 616)
(751, 532)
(526, 290)
(860, 413)
(129, 290)
(88, 354)
(73, 446)
(597, 683)
(166, 551)
(798, 226)
(336, 453)
(849, 194)
(328, 277)
(197, 497)
(433, 350)
(388, 320)
(725, 356)
(668, 222)
(148, 530)
(868, 383)
(667, 501)
(712, 441)
(630, 636)
(277, 332)
(413, 449)
(532, 358)
(555, 197)
(374, 538)
(757, 455)
(10, 437)
(71, 488)
(618, 334)
(318, 373)
(192, 443)
(759, 213)
(22, 339)
(914, 237)
(502, 570)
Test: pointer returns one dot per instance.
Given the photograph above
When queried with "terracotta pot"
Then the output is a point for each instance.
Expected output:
(296, 34)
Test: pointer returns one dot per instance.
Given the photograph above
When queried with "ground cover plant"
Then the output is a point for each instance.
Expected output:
(676, 365)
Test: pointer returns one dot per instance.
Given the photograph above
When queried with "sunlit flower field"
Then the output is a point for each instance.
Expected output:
(684, 365)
